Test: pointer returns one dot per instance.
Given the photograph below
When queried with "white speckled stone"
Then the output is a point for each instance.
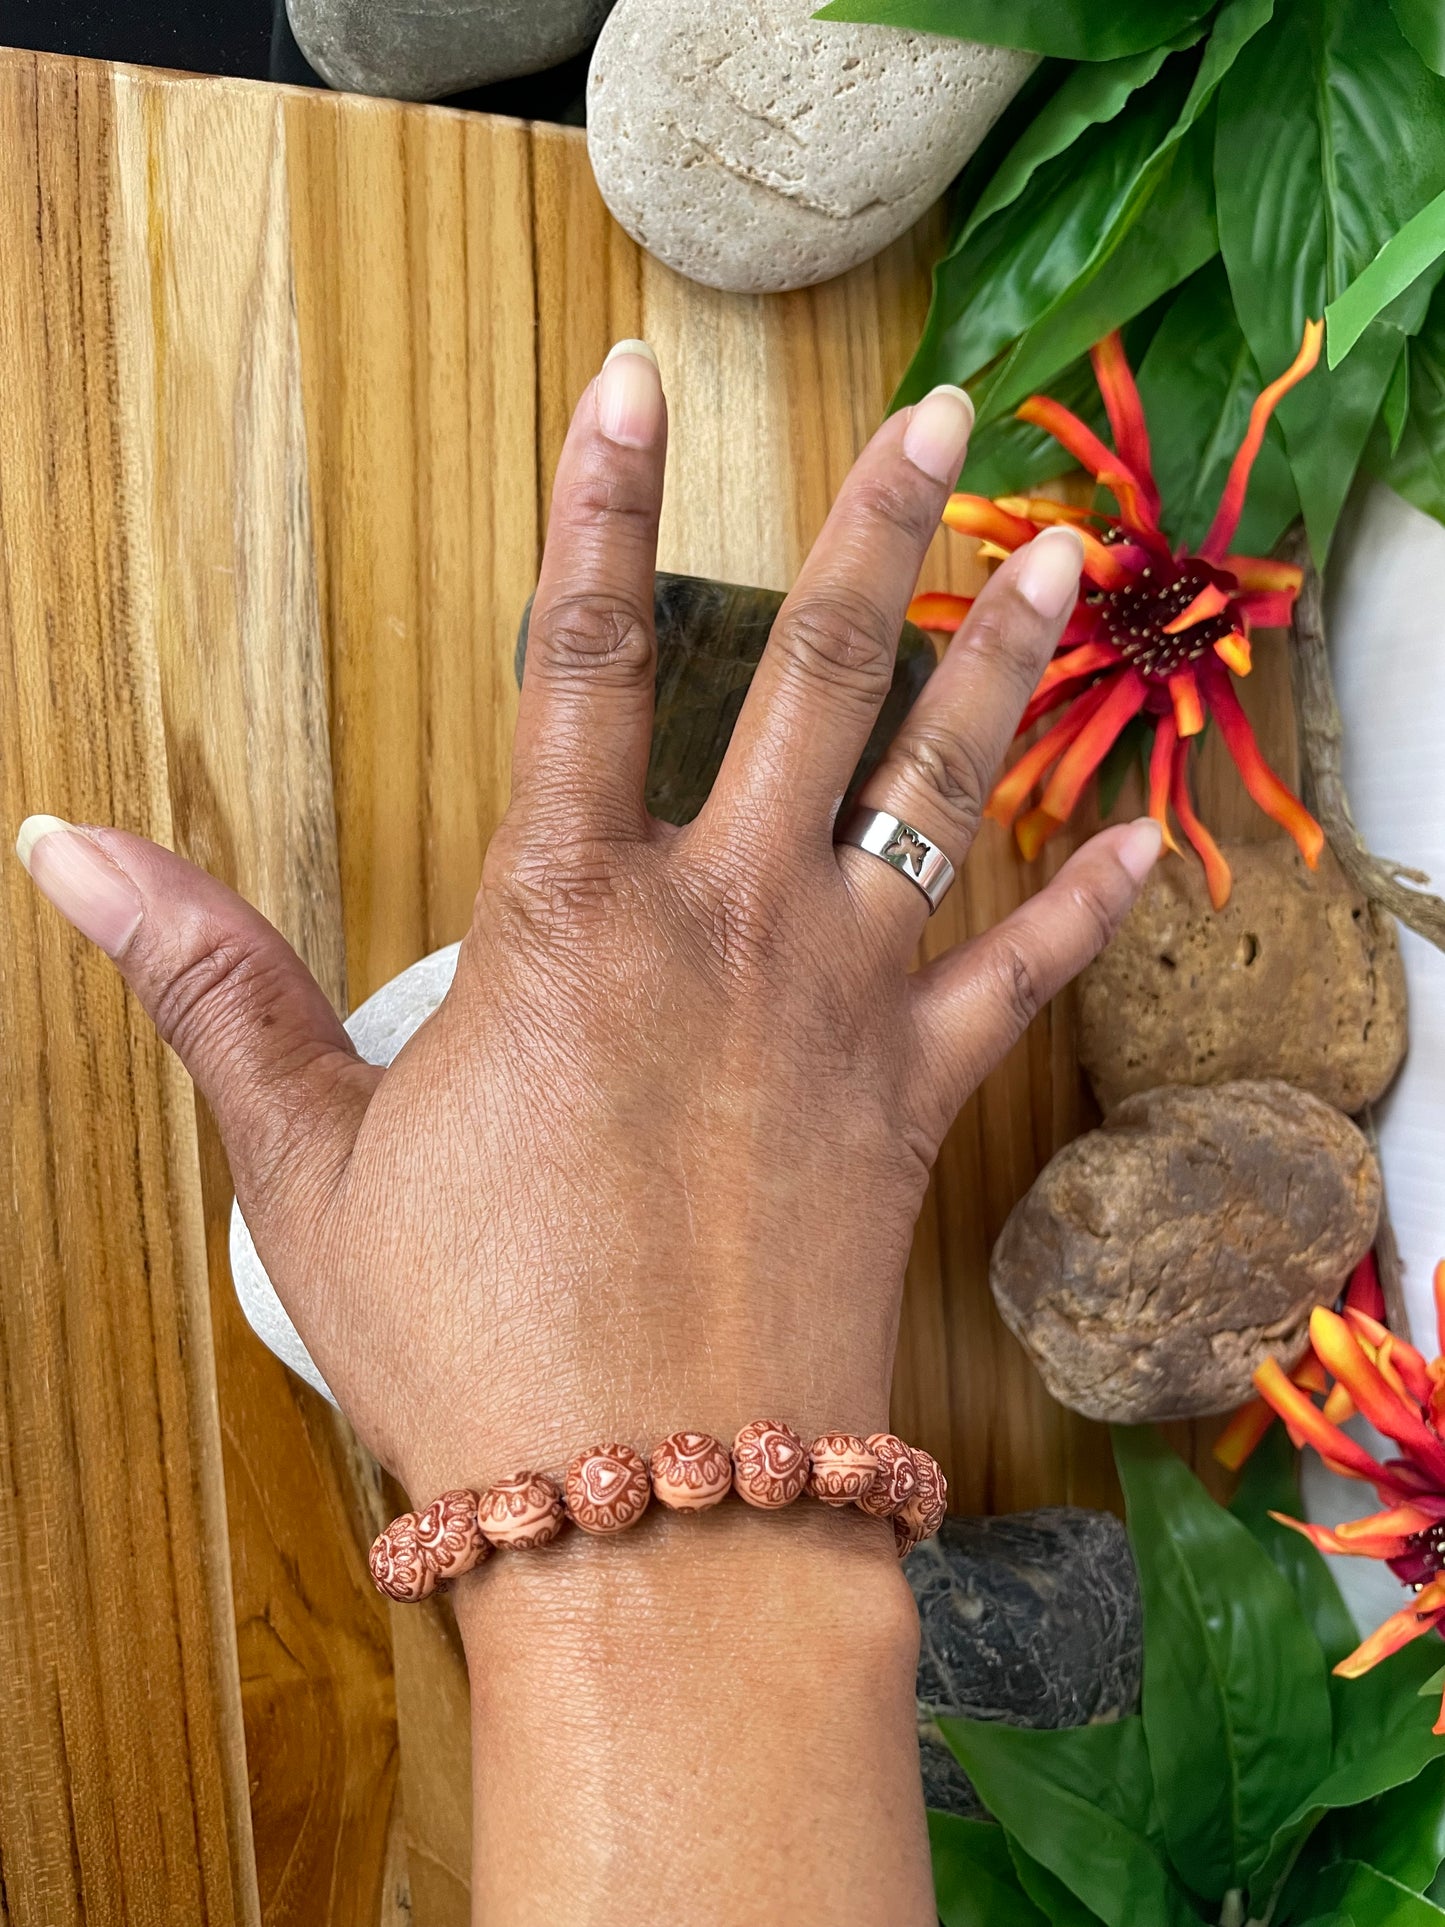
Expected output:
(378, 1028)
(754, 148)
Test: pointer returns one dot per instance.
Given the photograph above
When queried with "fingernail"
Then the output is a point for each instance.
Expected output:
(936, 439)
(629, 396)
(84, 886)
(1139, 847)
(1049, 576)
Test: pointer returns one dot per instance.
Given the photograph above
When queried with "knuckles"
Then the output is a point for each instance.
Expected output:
(596, 636)
(948, 769)
(844, 642)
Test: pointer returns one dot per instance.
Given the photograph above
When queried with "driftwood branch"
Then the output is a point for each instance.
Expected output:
(1388, 1261)
(1321, 739)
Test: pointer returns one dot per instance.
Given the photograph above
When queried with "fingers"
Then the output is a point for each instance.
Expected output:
(228, 994)
(975, 1002)
(584, 724)
(829, 659)
(939, 769)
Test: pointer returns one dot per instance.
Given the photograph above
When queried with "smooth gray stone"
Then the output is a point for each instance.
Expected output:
(421, 49)
(709, 638)
(1034, 1619)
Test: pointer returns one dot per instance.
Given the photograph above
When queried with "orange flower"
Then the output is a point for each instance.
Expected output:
(1402, 1394)
(1157, 632)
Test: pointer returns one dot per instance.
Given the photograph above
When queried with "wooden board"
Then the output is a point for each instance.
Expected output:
(288, 375)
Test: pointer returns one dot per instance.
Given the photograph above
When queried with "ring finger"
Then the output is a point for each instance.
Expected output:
(940, 767)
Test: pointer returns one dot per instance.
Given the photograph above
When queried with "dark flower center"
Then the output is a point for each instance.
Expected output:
(1423, 1557)
(1134, 617)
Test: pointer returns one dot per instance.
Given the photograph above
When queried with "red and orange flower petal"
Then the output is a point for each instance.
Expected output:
(1126, 417)
(1161, 772)
(1338, 1406)
(1188, 708)
(1389, 1347)
(1259, 779)
(1216, 869)
(1364, 1292)
(1110, 470)
(1234, 652)
(1033, 830)
(1264, 573)
(1013, 788)
(1211, 601)
(1439, 1284)
(1124, 698)
(1266, 611)
(1231, 502)
(1396, 1416)
(1044, 510)
(936, 609)
(1237, 1442)
(1085, 661)
(1107, 566)
(1420, 1616)
(1307, 1425)
(976, 515)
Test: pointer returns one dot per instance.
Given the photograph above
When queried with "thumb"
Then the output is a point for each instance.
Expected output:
(232, 999)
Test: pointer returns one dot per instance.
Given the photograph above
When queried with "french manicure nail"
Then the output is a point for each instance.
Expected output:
(85, 887)
(629, 396)
(1139, 847)
(936, 439)
(1049, 576)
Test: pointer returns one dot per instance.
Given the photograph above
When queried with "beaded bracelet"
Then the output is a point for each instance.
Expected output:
(608, 1488)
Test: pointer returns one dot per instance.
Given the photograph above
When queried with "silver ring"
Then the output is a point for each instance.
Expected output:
(904, 849)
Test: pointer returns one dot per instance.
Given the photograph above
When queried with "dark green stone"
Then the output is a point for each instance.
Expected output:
(709, 638)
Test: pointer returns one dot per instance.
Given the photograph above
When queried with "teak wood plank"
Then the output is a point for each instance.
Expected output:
(123, 1795)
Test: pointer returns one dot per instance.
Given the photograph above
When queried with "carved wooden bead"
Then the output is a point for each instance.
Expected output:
(924, 1512)
(607, 1488)
(691, 1471)
(450, 1539)
(842, 1468)
(903, 1540)
(895, 1481)
(770, 1463)
(398, 1566)
(523, 1512)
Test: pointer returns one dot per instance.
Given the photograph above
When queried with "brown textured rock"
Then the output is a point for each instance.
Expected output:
(1157, 1261)
(1297, 977)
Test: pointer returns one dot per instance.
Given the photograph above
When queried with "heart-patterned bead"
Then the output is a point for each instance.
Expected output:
(691, 1471)
(770, 1463)
(607, 1488)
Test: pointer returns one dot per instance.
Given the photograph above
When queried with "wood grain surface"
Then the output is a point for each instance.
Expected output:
(287, 375)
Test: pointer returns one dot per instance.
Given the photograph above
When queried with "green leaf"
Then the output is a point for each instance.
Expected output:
(1074, 29)
(1198, 383)
(1416, 466)
(1370, 1898)
(1423, 24)
(1080, 1802)
(1048, 1893)
(1382, 1740)
(1403, 258)
(1236, 1708)
(1330, 137)
(1402, 1832)
(1434, 1686)
(1089, 96)
(1010, 457)
(1270, 1483)
(974, 1880)
(1396, 409)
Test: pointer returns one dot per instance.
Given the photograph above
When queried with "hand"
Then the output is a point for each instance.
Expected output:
(657, 1158)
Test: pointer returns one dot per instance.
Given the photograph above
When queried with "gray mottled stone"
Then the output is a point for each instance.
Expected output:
(754, 148)
(709, 638)
(1033, 1619)
(420, 49)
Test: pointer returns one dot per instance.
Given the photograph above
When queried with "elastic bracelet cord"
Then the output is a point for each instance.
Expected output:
(607, 1488)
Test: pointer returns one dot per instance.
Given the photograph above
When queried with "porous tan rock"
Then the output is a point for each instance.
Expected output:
(1298, 977)
(1157, 1261)
(754, 148)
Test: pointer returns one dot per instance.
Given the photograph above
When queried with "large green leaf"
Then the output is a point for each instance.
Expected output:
(1058, 230)
(1382, 1740)
(1199, 382)
(1075, 29)
(1235, 1706)
(1080, 1802)
(1423, 24)
(1402, 1832)
(1008, 457)
(1331, 136)
(1059, 1905)
(1416, 466)
(1270, 1483)
(1370, 1898)
(1401, 261)
(974, 1880)
(1153, 236)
